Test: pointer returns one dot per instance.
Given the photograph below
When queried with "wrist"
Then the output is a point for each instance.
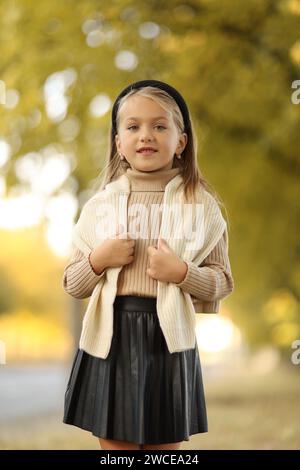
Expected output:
(96, 266)
(182, 272)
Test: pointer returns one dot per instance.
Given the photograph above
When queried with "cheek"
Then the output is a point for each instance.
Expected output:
(129, 139)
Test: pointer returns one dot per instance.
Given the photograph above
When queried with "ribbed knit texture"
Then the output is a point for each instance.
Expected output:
(79, 279)
(210, 282)
(205, 283)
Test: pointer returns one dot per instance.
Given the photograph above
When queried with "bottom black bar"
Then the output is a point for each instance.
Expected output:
(132, 459)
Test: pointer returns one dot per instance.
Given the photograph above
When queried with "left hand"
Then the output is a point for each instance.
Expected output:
(164, 264)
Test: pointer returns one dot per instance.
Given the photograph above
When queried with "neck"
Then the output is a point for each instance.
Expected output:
(150, 180)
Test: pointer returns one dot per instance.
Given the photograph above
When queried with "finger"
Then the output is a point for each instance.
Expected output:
(160, 243)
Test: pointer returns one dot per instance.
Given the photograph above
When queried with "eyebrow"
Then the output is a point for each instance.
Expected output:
(154, 119)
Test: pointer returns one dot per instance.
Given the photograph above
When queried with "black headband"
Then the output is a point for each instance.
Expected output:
(158, 84)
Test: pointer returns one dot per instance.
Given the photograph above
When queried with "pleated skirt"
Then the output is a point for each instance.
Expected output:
(140, 393)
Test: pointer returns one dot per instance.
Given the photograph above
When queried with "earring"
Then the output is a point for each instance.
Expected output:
(121, 156)
(178, 156)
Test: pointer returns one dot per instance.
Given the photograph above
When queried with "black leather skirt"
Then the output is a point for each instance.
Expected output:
(140, 393)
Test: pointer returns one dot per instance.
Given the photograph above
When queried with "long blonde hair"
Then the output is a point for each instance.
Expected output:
(191, 174)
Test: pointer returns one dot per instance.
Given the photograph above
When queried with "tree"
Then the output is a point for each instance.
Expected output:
(234, 64)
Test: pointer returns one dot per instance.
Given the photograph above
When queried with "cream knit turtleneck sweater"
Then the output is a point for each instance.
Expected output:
(209, 282)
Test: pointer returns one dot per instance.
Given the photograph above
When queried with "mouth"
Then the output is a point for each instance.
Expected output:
(146, 152)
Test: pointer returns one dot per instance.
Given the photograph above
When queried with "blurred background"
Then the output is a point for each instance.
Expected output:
(62, 64)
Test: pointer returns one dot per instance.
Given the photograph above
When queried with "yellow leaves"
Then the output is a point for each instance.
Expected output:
(282, 306)
(180, 44)
(30, 264)
(282, 312)
(283, 335)
(295, 53)
(294, 6)
(30, 337)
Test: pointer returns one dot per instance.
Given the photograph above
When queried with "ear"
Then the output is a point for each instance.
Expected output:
(183, 139)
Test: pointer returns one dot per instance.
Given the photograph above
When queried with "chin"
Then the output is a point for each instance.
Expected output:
(145, 165)
(148, 170)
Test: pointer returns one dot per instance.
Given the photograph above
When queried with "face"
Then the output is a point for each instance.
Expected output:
(144, 123)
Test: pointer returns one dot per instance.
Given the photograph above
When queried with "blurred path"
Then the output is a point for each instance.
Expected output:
(31, 390)
(34, 390)
(246, 410)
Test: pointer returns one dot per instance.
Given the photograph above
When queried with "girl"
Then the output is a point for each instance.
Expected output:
(136, 380)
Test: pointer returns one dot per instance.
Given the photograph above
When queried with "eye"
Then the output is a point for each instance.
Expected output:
(163, 127)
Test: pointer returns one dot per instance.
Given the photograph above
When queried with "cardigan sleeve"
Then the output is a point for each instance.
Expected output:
(79, 279)
(212, 280)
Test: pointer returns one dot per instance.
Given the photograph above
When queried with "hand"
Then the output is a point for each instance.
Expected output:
(164, 264)
(113, 252)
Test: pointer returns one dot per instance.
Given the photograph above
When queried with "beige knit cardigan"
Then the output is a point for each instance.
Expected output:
(175, 309)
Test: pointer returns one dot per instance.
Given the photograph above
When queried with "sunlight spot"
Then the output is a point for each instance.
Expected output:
(24, 210)
(216, 334)
(149, 30)
(5, 152)
(55, 88)
(44, 171)
(12, 98)
(92, 24)
(61, 211)
(100, 105)
(126, 60)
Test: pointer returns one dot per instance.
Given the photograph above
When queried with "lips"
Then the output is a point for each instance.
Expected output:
(147, 150)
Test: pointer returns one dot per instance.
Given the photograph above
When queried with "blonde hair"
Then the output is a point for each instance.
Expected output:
(191, 174)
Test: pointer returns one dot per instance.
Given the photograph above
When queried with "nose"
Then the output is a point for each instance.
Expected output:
(146, 135)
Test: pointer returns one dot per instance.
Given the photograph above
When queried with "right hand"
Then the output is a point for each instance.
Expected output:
(113, 252)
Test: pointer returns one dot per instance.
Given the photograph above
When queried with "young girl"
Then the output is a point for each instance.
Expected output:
(136, 380)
